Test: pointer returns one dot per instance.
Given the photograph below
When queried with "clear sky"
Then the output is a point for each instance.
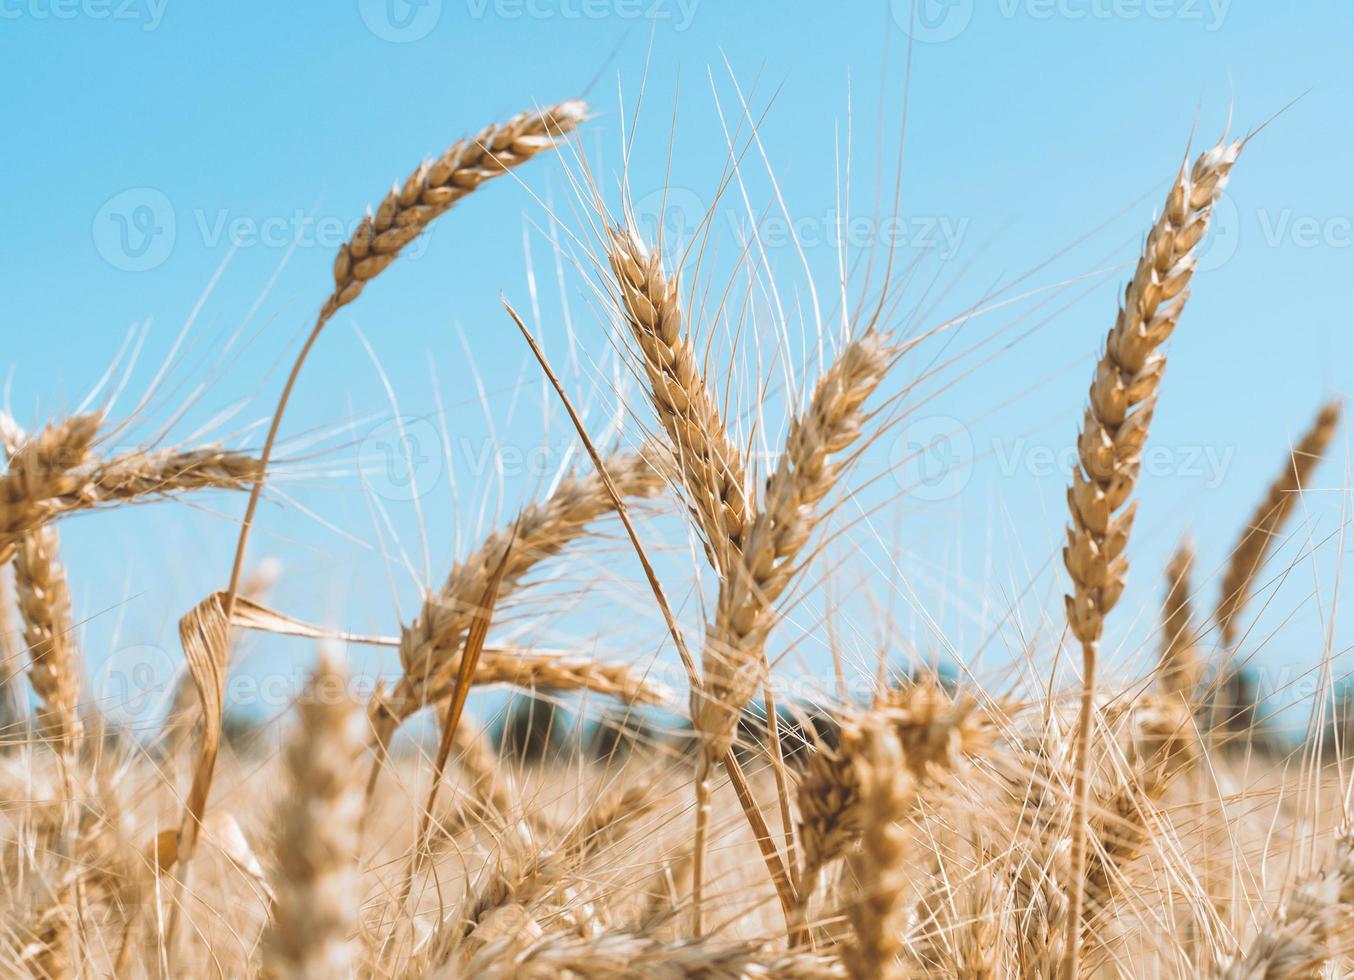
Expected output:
(156, 148)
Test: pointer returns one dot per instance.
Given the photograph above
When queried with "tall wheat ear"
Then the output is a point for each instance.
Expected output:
(318, 884)
(1114, 430)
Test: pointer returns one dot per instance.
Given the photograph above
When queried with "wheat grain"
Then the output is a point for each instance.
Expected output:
(435, 186)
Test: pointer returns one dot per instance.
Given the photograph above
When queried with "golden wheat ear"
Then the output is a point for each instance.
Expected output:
(1262, 530)
(1109, 448)
(318, 885)
(1296, 940)
(430, 647)
(1181, 668)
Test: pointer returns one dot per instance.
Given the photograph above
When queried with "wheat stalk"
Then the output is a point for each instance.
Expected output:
(754, 548)
(1263, 528)
(316, 913)
(430, 191)
(1122, 398)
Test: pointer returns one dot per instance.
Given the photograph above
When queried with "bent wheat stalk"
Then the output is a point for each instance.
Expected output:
(429, 192)
(1122, 398)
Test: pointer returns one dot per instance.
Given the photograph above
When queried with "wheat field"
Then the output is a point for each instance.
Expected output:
(919, 824)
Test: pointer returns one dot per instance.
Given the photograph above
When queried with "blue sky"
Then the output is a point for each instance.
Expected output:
(156, 147)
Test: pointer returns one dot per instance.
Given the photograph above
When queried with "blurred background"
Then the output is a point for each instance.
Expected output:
(179, 176)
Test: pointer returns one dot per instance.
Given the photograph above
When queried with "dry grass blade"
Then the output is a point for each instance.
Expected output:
(1109, 447)
(204, 634)
(318, 894)
(1263, 528)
